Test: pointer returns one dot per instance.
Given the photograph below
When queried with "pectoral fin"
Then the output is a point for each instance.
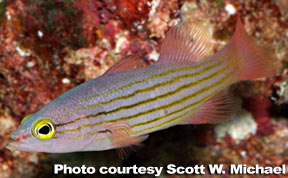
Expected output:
(123, 138)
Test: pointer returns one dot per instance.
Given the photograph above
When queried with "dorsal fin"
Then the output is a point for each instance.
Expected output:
(185, 42)
(127, 63)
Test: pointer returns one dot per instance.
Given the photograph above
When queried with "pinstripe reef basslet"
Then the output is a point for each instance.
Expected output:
(131, 100)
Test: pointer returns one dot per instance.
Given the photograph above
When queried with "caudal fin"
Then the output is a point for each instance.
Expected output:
(254, 62)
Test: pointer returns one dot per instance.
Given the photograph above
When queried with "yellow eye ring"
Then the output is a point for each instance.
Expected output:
(43, 129)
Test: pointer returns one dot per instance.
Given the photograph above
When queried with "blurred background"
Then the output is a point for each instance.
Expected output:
(50, 46)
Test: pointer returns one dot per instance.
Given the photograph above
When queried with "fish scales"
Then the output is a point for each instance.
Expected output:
(142, 89)
(114, 95)
(118, 97)
(181, 111)
(126, 84)
(156, 103)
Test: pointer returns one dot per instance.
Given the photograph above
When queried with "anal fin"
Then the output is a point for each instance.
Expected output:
(219, 108)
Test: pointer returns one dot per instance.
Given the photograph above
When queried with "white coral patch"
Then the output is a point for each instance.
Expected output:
(40, 33)
(230, 9)
(155, 4)
(240, 127)
(154, 55)
(121, 43)
(21, 51)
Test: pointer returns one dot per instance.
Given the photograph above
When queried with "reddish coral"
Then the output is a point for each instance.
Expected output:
(259, 107)
(132, 12)
(109, 31)
(90, 19)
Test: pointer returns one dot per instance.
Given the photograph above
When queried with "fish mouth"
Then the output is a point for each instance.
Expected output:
(13, 146)
(19, 146)
(19, 143)
(16, 143)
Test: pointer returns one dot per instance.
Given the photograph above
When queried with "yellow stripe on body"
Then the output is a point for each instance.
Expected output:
(156, 127)
(136, 104)
(149, 78)
(161, 96)
(182, 115)
(158, 75)
(148, 100)
(143, 90)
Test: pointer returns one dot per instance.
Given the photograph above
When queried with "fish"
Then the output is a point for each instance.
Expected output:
(122, 107)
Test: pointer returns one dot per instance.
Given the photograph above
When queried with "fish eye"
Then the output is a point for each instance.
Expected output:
(43, 129)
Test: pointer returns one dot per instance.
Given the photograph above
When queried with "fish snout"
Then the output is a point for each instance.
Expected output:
(12, 137)
(16, 141)
(12, 140)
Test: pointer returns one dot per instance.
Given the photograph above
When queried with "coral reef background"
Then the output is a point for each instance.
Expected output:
(50, 46)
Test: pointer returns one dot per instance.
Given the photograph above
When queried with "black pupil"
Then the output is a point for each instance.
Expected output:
(44, 130)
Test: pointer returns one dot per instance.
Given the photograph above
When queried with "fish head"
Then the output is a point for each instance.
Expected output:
(35, 134)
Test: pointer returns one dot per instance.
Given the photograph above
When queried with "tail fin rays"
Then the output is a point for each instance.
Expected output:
(254, 62)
